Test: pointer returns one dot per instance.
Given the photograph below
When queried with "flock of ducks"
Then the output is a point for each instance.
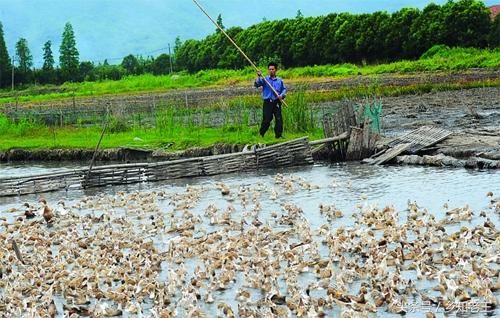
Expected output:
(161, 254)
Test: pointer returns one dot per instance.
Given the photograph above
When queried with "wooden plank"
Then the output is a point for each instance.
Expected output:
(420, 138)
(390, 154)
(330, 139)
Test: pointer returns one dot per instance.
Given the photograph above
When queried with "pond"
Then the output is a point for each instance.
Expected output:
(352, 189)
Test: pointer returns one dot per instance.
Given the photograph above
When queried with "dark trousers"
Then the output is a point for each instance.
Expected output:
(269, 109)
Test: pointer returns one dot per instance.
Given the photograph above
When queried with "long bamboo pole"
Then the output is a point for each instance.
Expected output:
(239, 49)
(97, 146)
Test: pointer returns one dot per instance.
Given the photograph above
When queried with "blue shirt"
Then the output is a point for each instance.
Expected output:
(276, 82)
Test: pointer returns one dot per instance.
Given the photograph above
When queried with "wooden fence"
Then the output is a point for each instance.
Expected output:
(290, 153)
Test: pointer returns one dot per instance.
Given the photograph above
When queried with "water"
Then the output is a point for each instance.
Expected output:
(347, 186)
(19, 169)
(342, 185)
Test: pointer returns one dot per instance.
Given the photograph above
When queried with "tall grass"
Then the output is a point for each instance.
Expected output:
(298, 116)
(171, 128)
(21, 128)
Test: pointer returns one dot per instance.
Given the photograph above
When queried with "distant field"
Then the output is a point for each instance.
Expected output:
(436, 59)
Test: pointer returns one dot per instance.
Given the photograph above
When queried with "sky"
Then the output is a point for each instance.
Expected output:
(112, 29)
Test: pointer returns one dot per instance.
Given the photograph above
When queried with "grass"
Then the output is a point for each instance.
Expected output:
(178, 139)
(177, 128)
(438, 58)
(172, 128)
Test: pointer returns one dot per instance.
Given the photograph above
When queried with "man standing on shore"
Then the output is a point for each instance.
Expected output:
(272, 102)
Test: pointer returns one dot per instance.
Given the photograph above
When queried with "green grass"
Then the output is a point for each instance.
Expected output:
(438, 58)
(174, 128)
(177, 139)
(177, 128)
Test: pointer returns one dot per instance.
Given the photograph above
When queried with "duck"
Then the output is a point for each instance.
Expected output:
(47, 213)
(61, 209)
(29, 211)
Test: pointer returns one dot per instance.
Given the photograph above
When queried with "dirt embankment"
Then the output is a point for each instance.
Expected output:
(473, 115)
(113, 155)
(204, 96)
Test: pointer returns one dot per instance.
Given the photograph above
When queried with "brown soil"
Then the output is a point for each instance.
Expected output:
(473, 115)
(203, 96)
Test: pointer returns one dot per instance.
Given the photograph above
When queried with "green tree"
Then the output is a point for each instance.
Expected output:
(322, 40)
(219, 22)
(24, 60)
(345, 37)
(428, 29)
(397, 39)
(105, 71)
(86, 71)
(177, 43)
(23, 55)
(229, 57)
(299, 14)
(68, 54)
(130, 64)
(466, 23)
(47, 73)
(494, 36)
(48, 57)
(5, 64)
(161, 64)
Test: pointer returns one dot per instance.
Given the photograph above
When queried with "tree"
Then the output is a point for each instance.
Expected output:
(177, 43)
(494, 37)
(24, 57)
(397, 39)
(48, 57)
(345, 37)
(68, 58)
(161, 64)
(5, 65)
(47, 74)
(130, 64)
(427, 30)
(466, 23)
(299, 14)
(219, 22)
(86, 71)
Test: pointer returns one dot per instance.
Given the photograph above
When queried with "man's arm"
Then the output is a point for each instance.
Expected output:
(283, 90)
(259, 81)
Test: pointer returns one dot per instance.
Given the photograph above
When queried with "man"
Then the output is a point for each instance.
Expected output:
(272, 101)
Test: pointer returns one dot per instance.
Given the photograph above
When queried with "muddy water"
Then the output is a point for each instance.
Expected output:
(345, 186)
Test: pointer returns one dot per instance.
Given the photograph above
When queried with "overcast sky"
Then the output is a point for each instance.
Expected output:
(111, 29)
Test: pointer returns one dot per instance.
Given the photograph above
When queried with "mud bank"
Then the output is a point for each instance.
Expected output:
(114, 154)
(447, 161)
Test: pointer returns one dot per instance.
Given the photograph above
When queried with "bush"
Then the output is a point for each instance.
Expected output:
(435, 51)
